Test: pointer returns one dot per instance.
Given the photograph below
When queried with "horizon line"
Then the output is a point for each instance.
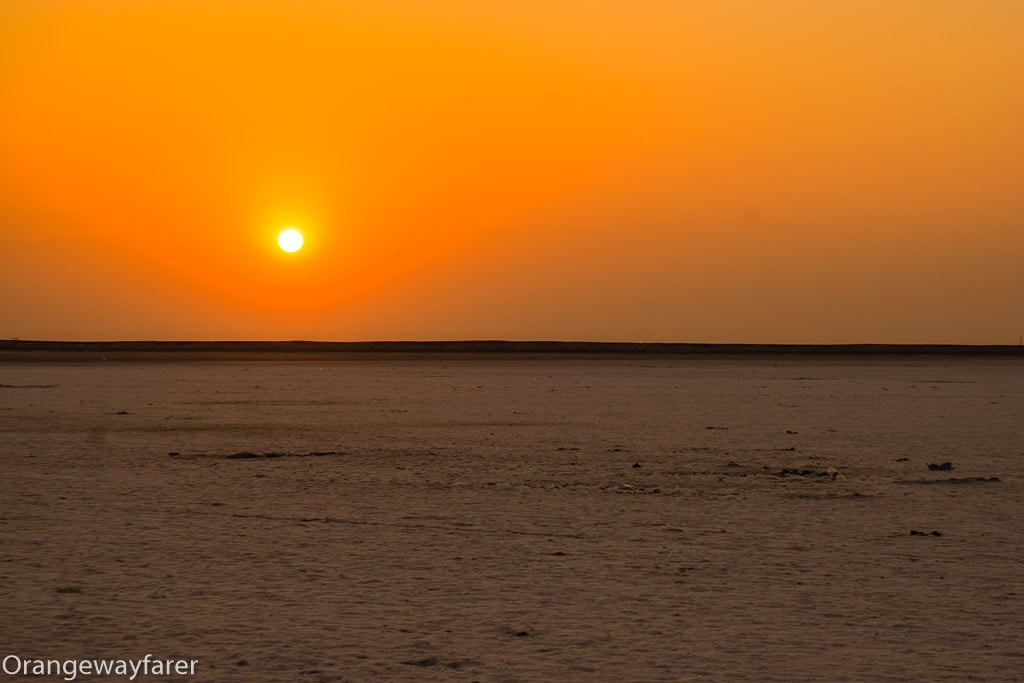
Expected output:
(496, 346)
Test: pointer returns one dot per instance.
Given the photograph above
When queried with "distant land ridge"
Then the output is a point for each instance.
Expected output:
(257, 349)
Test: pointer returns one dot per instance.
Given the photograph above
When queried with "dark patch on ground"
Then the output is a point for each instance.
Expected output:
(961, 480)
(247, 455)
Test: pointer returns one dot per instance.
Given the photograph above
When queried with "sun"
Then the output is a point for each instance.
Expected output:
(290, 240)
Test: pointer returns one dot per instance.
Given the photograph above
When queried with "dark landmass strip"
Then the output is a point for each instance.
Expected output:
(26, 350)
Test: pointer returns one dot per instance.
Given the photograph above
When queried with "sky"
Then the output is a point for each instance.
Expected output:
(794, 171)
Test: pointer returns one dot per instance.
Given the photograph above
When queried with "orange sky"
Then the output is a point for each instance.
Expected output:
(652, 170)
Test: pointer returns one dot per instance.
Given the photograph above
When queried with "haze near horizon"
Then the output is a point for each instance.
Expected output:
(803, 172)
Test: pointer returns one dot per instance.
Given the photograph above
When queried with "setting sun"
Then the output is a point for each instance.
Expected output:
(290, 240)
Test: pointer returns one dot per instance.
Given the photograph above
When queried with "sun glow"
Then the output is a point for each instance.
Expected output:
(290, 240)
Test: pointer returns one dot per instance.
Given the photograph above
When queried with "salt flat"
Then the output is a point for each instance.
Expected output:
(520, 520)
